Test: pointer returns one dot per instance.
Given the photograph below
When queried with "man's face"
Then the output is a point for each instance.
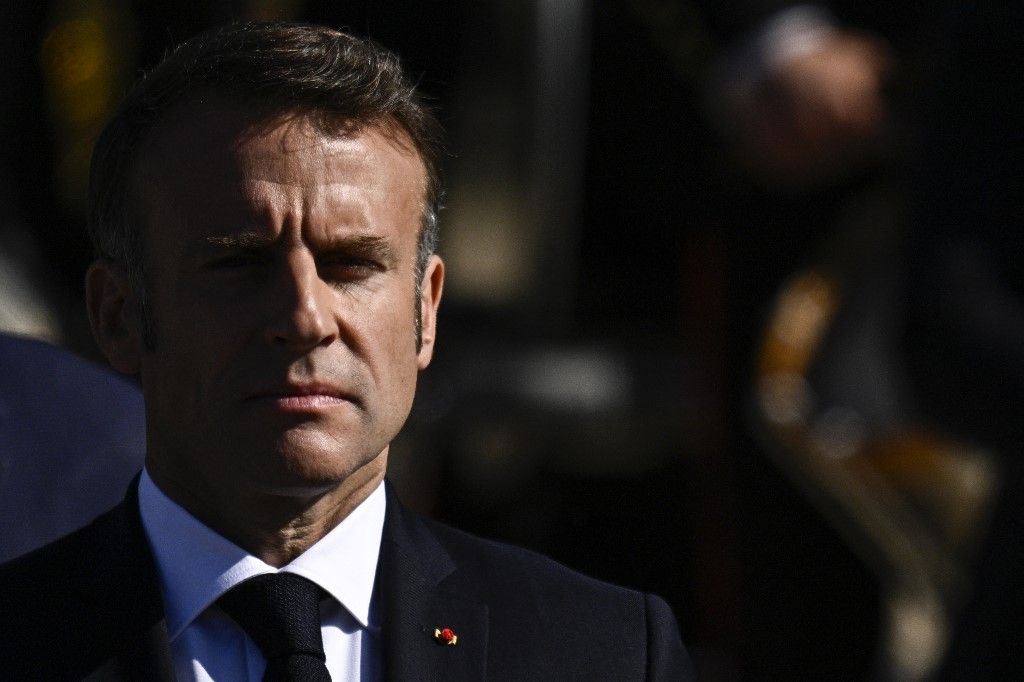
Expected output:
(280, 275)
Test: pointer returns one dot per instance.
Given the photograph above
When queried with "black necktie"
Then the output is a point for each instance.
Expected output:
(281, 613)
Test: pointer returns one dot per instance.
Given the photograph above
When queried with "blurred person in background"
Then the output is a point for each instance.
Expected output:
(804, 108)
(72, 436)
(806, 99)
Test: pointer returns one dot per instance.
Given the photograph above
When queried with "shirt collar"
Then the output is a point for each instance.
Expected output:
(197, 565)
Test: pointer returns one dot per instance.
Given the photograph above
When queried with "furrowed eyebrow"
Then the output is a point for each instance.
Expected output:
(364, 246)
(374, 248)
(244, 240)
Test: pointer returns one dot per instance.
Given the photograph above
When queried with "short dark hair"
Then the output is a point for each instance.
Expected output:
(342, 83)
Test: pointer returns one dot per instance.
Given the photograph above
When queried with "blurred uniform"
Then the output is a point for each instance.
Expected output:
(72, 435)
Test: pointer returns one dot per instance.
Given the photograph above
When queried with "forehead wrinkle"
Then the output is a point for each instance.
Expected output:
(273, 186)
(302, 191)
(297, 155)
(261, 151)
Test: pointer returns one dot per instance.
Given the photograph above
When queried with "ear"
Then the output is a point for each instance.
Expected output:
(114, 316)
(430, 299)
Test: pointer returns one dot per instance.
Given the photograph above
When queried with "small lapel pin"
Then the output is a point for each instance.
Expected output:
(445, 636)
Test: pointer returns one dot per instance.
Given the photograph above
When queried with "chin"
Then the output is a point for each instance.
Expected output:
(315, 465)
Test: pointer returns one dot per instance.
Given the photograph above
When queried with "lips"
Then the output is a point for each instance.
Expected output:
(301, 396)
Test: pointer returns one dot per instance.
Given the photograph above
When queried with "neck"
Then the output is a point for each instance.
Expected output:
(275, 528)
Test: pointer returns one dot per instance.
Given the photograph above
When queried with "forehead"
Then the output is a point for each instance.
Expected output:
(216, 158)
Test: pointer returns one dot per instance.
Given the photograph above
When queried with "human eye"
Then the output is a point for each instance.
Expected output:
(235, 260)
(344, 268)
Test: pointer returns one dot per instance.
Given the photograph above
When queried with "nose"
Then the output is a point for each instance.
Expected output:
(302, 316)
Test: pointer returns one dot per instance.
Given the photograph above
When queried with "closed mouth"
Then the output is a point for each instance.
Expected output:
(301, 395)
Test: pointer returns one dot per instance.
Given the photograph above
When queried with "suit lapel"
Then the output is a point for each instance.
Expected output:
(123, 582)
(420, 591)
(419, 587)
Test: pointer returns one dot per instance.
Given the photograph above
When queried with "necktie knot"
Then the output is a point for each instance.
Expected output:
(281, 613)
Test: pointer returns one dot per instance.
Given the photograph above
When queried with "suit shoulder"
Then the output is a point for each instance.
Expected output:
(43, 602)
(74, 602)
(66, 573)
(510, 566)
(38, 587)
(568, 621)
(44, 568)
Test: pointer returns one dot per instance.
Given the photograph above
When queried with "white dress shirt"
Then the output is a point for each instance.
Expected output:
(197, 566)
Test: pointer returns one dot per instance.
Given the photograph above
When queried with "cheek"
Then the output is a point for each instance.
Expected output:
(401, 324)
(392, 338)
(193, 321)
(194, 350)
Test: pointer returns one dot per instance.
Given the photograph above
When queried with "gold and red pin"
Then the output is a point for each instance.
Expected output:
(445, 636)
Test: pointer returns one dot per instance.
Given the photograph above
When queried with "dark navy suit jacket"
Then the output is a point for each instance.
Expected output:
(72, 435)
(89, 606)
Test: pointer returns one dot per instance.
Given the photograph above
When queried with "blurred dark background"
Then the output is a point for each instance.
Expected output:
(694, 252)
